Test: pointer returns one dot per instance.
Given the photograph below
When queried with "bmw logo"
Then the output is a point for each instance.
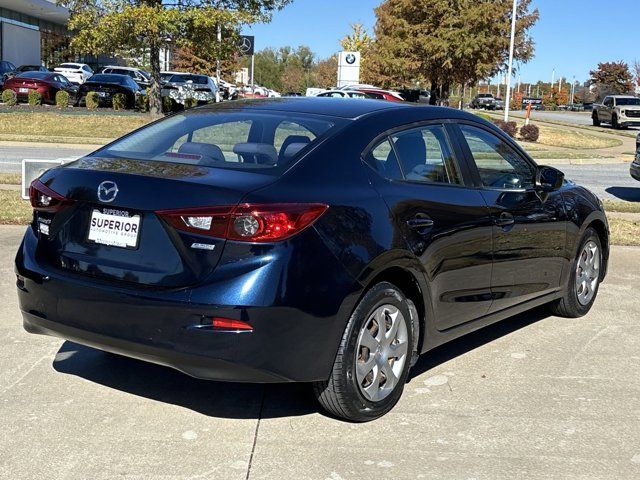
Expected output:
(351, 59)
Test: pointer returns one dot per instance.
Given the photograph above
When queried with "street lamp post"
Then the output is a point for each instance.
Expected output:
(511, 45)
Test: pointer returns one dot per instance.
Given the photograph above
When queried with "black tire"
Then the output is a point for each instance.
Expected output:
(596, 121)
(614, 122)
(340, 395)
(568, 306)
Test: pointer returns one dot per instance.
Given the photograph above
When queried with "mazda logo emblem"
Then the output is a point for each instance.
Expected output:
(351, 59)
(107, 191)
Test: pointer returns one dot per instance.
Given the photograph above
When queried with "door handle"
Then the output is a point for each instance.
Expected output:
(504, 220)
(420, 222)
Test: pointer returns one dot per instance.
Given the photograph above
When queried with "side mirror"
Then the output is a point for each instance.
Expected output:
(549, 179)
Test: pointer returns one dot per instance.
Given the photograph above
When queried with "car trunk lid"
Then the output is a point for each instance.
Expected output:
(158, 255)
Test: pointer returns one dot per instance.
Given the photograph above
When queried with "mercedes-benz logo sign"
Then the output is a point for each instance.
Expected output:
(107, 191)
(245, 46)
(351, 59)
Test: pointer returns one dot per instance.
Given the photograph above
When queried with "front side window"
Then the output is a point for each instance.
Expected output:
(234, 140)
(425, 155)
(498, 164)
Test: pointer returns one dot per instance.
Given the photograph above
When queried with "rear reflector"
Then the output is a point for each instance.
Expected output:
(230, 324)
(246, 222)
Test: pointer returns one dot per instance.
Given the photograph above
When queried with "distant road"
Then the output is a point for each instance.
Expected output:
(609, 181)
(575, 118)
(11, 155)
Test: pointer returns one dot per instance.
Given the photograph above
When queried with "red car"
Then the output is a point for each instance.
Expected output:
(47, 83)
(382, 94)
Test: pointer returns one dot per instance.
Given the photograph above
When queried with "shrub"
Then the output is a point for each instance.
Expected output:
(142, 103)
(190, 102)
(530, 133)
(168, 105)
(9, 97)
(34, 98)
(119, 101)
(62, 99)
(92, 100)
(510, 128)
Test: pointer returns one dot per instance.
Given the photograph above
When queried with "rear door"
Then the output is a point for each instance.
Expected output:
(444, 223)
(528, 226)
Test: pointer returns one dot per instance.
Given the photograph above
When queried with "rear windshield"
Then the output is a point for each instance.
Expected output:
(198, 79)
(109, 78)
(34, 74)
(236, 140)
(628, 101)
(70, 65)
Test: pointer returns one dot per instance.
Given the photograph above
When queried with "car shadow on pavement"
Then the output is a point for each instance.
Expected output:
(629, 194)
(471, 341)
(241, 400)
(164, 384)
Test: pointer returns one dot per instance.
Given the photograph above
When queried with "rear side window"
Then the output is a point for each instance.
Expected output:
(425, 155)
(235, 140)
(382, 158)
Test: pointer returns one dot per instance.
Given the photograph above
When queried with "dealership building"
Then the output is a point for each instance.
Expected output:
(32, 32)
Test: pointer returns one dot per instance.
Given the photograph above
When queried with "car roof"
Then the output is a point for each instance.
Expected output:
(121, 68)
(349, 108)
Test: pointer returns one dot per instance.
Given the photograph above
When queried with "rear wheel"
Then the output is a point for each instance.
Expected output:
(596, 120)
(373, 359)
(584, 281)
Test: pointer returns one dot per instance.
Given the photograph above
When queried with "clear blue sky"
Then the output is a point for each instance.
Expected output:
(564, 35)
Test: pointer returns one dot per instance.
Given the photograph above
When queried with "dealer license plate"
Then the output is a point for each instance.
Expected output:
(117, 229)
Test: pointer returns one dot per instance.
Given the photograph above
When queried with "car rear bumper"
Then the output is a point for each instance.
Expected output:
(292, 340)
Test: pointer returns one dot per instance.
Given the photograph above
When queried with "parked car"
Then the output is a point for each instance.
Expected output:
(306, 240)
(342, 94)
(380, 94)
(634, 170)
(141, 77)
(181, 86)
(620, 111)
(27, 68)
(484, 100)
(46, 83)
(107, 85)
(6, 69)
(415, 95)
(77, 73)
(499, 105)
(293, 94)
(228, 91)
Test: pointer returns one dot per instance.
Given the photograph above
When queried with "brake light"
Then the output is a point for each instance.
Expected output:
(247, 222)
(43, 199)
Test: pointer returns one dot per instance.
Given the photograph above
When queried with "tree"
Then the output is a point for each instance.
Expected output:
(612, 78)
(445, 42)
(109, 26)
(358, 40)
(326, 72)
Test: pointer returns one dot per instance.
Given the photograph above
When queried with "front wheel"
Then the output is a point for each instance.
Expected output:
(584, 281)
(596, 121)
(614, 122)
(373, 359)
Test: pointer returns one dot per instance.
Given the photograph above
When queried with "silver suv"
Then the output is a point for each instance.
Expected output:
(620, 111)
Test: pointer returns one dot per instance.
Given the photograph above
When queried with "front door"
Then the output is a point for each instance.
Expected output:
(443, 222)
(529, 226)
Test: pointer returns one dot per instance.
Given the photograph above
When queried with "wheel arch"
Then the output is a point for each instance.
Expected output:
(407, 280)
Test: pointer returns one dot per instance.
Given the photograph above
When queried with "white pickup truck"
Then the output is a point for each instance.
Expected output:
(620, 111)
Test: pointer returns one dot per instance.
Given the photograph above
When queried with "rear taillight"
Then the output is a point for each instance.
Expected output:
(43, 199)
(221, 323)
(246, 222)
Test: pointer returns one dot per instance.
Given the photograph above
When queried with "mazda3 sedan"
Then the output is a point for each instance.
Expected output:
(312, 240)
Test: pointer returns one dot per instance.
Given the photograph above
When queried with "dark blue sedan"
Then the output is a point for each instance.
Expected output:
(305, 240)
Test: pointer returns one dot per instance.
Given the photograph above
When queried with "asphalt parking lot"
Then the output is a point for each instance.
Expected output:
(533, 397)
